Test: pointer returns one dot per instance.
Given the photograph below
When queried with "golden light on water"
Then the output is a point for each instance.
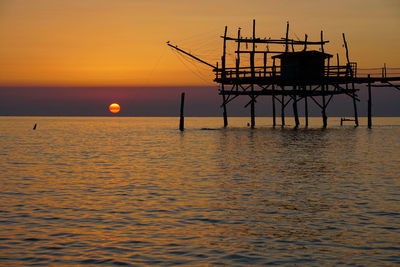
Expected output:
(114, 108)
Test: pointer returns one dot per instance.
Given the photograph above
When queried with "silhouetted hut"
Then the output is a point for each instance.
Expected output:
(303, 66)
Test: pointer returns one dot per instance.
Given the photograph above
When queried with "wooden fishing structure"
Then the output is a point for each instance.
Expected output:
(297, 70)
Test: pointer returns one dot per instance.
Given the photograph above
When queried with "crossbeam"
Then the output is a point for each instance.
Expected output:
(274, 41)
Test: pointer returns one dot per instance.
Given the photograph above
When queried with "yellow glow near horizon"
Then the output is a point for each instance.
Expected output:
(121, 42)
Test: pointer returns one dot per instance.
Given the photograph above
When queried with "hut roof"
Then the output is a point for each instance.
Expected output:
(311, 53)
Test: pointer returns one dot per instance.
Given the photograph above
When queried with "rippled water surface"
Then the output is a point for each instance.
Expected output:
(135, 191)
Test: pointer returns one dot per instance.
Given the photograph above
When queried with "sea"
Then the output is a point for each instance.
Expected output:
(135, 191)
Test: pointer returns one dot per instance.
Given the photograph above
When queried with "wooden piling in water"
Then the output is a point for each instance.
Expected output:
(182, 118)
(225, 115)
(283, 110)
(295, 113)
(306, 109)
(369, 103)
(324, 117)
(253, 114)
(294, 105)
(273, 107)
(223, 74)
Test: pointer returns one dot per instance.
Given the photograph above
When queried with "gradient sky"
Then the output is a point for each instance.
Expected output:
(122, 42)
(100, 43)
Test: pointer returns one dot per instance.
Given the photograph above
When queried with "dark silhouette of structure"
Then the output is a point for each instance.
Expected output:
(298, 72)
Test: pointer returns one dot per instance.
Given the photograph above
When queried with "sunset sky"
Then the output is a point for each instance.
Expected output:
(122, 42)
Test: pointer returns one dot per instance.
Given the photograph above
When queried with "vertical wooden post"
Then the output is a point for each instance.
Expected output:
(182, 119)
(306, 108)
(322, 42)
(355, 105)
(295, 113)
(253, 120)
(224, 111)
(273, 69)
(324, 117)
(327, 74)
(238, 55)
(369, 103)
(253, 50)
(252, 112)
(352, 84)
(273, 106)
(338, 65)
(305, 42)
(347, 50)
(287, 38)
(384, 66)
(283, 110)
(223, 76)
(273, 96)
(265, 64)
(223, 59)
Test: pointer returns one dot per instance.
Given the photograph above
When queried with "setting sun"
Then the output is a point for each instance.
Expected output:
(114, 108)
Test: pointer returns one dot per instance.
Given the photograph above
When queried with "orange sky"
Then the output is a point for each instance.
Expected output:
(122, 42)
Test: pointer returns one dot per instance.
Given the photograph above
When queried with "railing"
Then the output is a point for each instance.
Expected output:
(247, 72)
(343, 71)
(380, 72)
(349, 70)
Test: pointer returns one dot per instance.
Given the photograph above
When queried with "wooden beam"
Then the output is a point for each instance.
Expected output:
(258, 52)
(273, 41)
(190, 55)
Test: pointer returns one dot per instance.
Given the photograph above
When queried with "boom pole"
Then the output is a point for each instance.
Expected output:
(190, 55)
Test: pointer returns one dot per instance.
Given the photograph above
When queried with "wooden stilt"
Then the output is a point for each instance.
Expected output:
(283, 110)
(182, 118)
(352, 84)
(355, 106)
(252, 111)
(252, 67)
(306, 109)
(273, 107)
(324, 117)
(224, 111)
(295, 113)
(369, 103)
(223, 74)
